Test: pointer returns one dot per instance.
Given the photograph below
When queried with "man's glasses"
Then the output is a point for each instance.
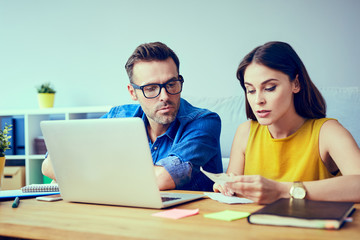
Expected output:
(172, 87)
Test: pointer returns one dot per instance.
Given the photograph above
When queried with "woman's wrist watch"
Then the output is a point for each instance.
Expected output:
(298, 190)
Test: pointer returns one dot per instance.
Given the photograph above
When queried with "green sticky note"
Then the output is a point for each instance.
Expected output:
(227, 215)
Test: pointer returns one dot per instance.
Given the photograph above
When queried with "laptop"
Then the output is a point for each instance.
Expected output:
(106, 161)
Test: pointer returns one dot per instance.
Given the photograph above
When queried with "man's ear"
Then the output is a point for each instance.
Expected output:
(132, 92)
(296, 85)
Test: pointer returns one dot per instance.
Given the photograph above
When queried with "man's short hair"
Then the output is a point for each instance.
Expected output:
(155, 51)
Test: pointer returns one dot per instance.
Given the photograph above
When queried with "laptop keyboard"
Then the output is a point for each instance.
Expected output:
(166, 199)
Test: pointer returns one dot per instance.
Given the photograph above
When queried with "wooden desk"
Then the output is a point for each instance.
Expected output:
(64, 220)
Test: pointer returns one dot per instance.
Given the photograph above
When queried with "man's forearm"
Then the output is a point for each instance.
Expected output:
(163, 178)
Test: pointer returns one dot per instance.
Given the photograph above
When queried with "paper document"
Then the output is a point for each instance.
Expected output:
(227, 199)
(219, 178)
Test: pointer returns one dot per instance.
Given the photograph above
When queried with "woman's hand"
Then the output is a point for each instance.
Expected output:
(220, 188)
(257, 188)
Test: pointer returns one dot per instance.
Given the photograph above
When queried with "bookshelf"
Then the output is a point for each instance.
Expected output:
(31, 128)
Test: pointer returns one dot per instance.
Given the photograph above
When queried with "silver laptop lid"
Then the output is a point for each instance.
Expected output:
(104, 161)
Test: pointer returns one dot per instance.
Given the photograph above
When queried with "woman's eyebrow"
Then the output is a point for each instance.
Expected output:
(264, 82)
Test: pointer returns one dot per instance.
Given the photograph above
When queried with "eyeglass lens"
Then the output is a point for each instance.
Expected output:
(153, 90)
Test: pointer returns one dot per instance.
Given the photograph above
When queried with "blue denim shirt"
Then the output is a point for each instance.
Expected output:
(192, 140)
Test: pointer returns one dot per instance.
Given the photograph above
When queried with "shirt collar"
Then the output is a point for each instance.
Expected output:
(170, 132)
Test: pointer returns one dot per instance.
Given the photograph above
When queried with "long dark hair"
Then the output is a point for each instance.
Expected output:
(155, 51)
(280, 56)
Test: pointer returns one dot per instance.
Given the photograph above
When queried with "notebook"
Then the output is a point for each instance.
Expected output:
(303, 213)
(106, 161)
(12, 194)
(50, 187)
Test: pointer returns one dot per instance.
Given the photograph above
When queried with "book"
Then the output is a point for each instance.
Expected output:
(11, 194)
(50, 187)
(303, 213)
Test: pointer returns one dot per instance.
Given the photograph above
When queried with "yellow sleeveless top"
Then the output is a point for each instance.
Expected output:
(294, 158)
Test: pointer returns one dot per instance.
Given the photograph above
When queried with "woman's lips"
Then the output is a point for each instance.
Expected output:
(263, 113)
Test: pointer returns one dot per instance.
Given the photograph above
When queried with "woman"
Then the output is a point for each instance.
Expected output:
(288, 148)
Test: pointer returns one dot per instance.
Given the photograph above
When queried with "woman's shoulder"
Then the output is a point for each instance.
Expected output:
(242, 134)
(332, 132)
(321, 124)
(328, 124)
(338, 145)
(244, 128)
(321, 121)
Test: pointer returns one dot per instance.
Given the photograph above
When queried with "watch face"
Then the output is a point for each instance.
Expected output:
(299, 193)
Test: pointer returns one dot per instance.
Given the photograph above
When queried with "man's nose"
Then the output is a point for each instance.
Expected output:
(164, 95)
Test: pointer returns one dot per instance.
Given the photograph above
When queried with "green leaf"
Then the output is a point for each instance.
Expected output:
(4, 139)
(45, 88)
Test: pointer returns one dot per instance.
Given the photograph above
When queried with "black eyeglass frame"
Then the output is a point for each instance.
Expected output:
(180, 79)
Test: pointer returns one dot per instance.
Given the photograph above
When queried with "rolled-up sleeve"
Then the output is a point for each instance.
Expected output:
(196, 144)
(200, 142)
(192, 141)
(179, 171)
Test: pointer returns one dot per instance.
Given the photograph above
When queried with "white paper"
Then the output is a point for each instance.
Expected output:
(219, 178)
(227, 199)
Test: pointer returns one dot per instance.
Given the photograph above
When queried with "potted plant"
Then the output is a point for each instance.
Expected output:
(46, 95)
(4, 145)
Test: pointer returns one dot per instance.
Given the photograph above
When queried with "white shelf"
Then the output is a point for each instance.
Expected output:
(32, 119)
(15, 157)
(37, 156)
(47, 111)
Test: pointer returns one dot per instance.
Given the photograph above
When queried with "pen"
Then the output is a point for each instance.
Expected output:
(16, 202)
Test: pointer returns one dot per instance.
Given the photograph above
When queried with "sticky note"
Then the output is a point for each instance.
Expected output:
(227, 215)
(176, 213)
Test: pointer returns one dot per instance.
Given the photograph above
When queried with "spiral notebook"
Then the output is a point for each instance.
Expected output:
(51, 187)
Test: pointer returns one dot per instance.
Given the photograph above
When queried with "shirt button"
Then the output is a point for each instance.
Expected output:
(155, 148)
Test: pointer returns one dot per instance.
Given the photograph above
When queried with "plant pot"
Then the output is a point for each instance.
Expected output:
(2, 165)
(46, 100)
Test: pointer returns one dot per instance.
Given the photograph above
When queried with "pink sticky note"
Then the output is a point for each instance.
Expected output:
(176, 213)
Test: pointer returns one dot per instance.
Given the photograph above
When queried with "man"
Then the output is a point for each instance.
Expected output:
(181, 137)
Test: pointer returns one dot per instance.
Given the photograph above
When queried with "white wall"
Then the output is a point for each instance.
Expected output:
(81, 46)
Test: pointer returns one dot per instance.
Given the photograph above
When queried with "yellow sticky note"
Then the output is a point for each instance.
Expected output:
(227, 215)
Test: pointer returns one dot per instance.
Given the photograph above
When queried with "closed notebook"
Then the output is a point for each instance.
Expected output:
(303, 213)
(51, 187)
